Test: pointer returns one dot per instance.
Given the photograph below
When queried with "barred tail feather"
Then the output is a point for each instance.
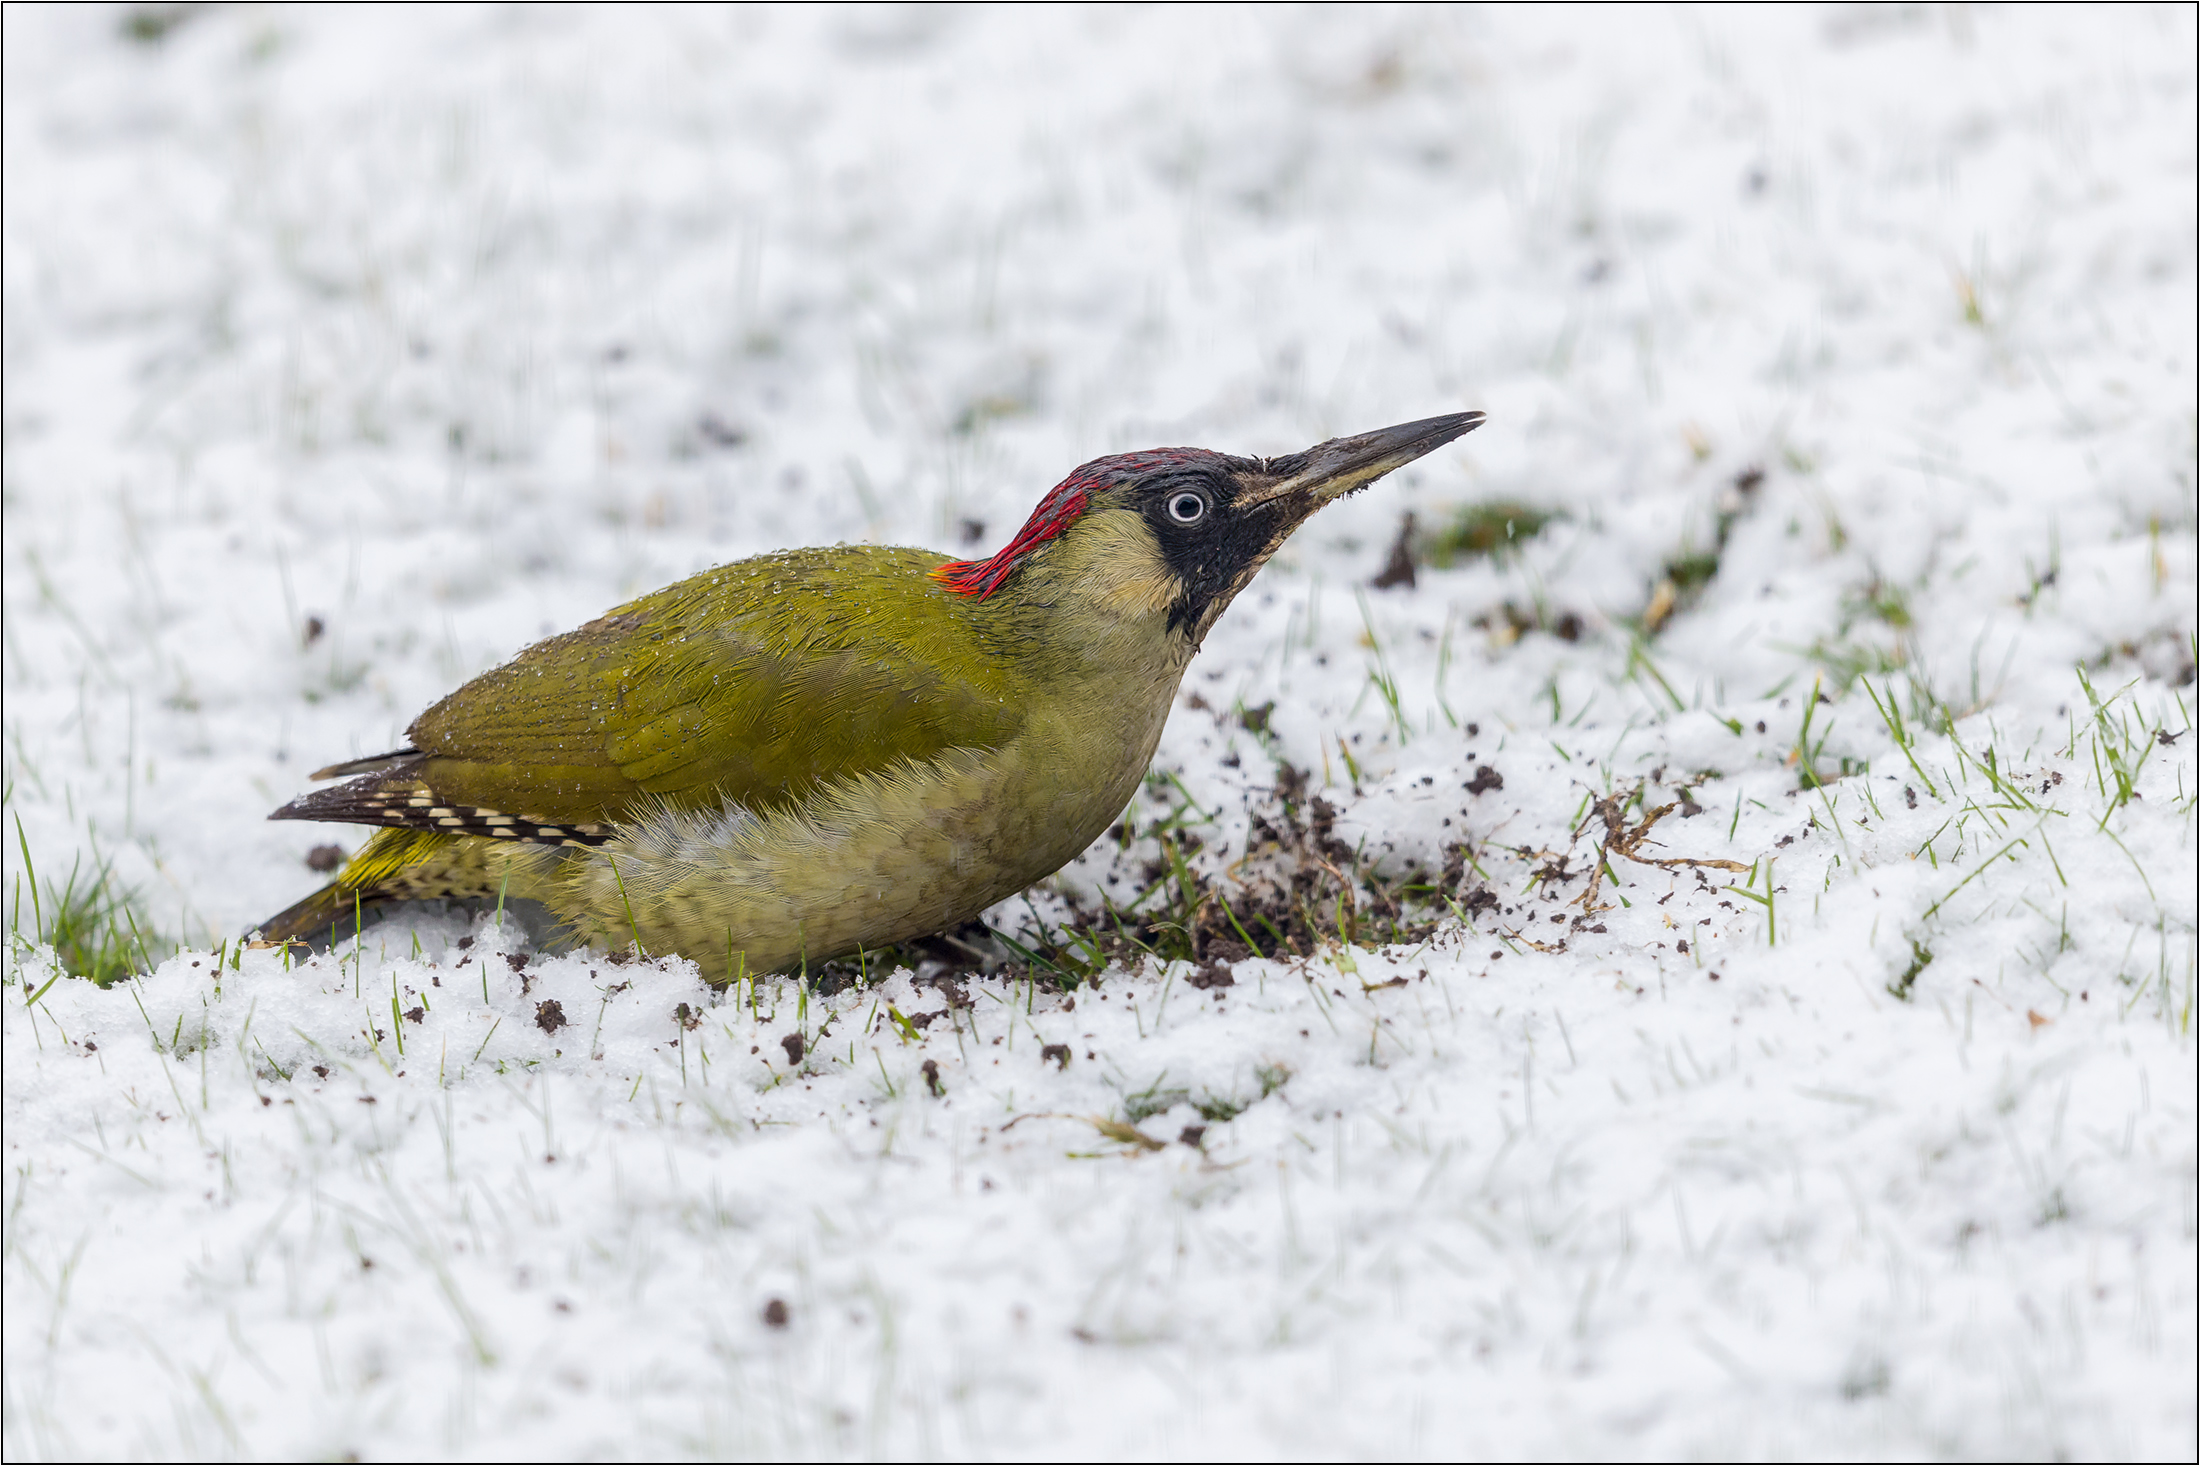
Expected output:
(325, 916)
(414, 865)
(392, 794)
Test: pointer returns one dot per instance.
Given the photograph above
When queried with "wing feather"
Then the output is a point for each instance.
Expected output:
(756, 683)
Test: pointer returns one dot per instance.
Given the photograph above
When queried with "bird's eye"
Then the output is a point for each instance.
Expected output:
(1187, 508)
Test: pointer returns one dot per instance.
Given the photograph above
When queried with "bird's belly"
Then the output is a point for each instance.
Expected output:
(868, 862)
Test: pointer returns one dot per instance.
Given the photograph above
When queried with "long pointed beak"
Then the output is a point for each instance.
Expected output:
(1330, 470)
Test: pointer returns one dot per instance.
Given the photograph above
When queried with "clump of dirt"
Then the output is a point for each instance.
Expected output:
(1296, 889)
(1513, 621)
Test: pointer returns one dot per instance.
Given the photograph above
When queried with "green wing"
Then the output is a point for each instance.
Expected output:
(755, 682)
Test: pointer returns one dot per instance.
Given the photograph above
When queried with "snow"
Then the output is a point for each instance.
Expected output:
(348, 351)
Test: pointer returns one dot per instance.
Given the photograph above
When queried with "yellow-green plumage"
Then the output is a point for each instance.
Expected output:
(756, 682)
(799, 755)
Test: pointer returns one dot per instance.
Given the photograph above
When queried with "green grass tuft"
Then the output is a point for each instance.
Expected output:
(1492, 530)
(1921, 957)
(94, 922)
(1690, 570)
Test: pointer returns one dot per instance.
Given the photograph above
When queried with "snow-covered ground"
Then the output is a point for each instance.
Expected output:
(348, 351)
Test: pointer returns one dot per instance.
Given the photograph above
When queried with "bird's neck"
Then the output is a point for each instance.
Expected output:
(1094, 607)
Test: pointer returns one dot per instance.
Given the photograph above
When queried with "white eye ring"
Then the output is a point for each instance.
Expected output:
(1187, 507)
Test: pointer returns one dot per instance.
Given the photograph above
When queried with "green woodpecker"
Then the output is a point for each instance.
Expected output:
(816, 752)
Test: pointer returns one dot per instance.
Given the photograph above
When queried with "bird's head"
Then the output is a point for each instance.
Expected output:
(1178, 532)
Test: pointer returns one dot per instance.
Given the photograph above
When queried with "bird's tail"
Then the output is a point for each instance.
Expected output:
(408, 865)
(323, 917)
